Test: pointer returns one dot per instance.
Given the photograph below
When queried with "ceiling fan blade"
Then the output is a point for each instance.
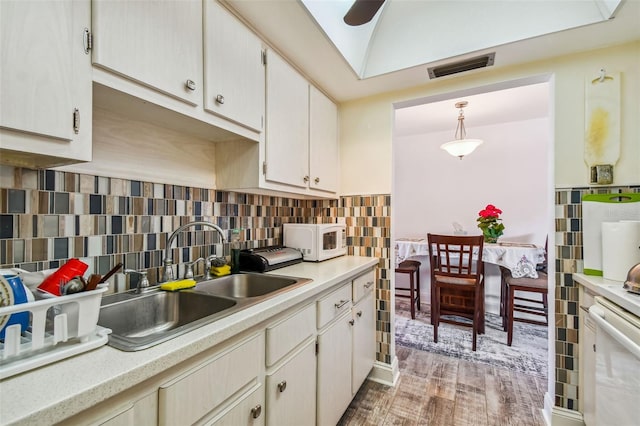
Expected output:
(362, 11)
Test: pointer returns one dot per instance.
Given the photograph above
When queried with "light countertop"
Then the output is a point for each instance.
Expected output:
(49, 394)
(611, 290)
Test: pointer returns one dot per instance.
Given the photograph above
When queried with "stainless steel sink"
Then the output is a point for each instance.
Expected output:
(241, 286)
(139, 321)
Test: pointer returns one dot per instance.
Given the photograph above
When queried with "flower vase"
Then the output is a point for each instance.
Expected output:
(490, 240)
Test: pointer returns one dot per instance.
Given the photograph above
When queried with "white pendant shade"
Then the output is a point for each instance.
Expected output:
(461, 147)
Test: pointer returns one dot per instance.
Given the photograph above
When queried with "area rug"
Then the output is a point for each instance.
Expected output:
(527, 354)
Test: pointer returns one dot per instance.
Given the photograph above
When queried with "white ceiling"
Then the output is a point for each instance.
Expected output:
(289, 27)
(519, 103)
(406, 33)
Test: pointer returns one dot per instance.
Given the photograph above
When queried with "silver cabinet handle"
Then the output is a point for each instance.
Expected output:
(76, 121)
(256, 411)
(190, 84)
(352, 322)
(282, 386)
(584, 308)
(86, 40)
(220, 99)
(369, 284)
(317, 180)
(305, 179)
(341, 303)
(359, 314)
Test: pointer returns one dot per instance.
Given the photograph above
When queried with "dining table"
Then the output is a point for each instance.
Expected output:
(520, 258)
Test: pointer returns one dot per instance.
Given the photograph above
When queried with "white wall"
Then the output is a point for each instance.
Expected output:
(366, 124)
(432, 189)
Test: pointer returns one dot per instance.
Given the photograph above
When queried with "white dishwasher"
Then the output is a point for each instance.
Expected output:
(617, 387)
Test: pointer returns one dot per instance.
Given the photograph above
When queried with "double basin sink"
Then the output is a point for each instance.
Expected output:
(139, 321)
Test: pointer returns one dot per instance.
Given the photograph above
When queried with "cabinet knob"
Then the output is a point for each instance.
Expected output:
(317, 180)
(256, 411)
(352, 322)
(190, 84)
(359, 314)
(220, 99)
(305, 179)
(282, 386)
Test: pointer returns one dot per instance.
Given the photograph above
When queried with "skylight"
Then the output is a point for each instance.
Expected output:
(408, 33)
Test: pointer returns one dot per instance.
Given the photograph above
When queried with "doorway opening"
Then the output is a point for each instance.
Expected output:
(434, 192)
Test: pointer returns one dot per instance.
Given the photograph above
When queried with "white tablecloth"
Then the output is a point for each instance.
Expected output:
(521, 259)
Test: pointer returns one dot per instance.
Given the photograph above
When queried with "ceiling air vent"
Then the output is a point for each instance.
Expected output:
(462, 66)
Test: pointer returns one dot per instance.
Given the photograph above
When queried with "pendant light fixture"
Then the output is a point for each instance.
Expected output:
(461, 146)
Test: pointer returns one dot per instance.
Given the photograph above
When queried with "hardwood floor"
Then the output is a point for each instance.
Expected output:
(440, 390)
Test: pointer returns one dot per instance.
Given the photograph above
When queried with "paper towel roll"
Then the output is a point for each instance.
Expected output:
(620, 248)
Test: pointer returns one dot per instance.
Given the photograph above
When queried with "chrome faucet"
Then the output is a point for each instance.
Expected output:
(168, 260)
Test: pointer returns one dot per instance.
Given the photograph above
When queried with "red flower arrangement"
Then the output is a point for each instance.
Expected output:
(490, 223)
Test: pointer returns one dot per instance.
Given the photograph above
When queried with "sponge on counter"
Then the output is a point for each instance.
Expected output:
(178, 285)
(220, 271)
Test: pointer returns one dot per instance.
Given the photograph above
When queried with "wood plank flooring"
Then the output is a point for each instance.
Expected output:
(439, 390)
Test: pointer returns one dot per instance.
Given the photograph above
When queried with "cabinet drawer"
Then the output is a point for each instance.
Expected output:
(285, 335)
(337, 302)
(363, 285)
(191, 396)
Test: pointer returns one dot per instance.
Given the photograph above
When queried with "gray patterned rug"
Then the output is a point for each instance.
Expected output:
(527, 354)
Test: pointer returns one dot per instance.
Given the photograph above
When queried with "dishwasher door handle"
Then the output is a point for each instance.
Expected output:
(598, 315)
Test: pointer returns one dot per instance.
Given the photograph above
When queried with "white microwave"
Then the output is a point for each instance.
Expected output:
(316, 242)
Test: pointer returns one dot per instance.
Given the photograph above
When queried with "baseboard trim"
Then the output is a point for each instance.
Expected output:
(562, 416)
(386, 374)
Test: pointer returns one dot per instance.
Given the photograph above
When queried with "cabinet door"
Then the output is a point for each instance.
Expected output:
(156, 43)
(334, 370)
(291, 389)
(324, 163)
(248, 411)
(287, 129)
(233, 68)
(45, 75)
(364, 341)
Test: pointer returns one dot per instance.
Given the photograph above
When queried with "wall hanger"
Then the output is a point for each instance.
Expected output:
(602, 78)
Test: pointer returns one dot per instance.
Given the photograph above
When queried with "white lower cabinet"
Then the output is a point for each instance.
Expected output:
(334, 370)
(202, 392)
(587, 359)
(291, 389)
(364, 341)
(246, 411)
(301, 367)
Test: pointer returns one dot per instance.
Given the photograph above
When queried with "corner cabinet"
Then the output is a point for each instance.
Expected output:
(298, 151)
(302, 131)
(45, 76)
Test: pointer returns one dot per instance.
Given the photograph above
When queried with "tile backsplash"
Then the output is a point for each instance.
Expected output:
(568, 253)
(49, 216)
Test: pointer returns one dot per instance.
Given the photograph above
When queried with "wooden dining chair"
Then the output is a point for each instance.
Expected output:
(457, 282)
(411, 268)
(524, 303)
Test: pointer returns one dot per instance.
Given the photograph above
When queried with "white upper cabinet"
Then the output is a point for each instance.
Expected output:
(45, 83)
(233, 68)
(287, 132)
(324, 167)
(155, 43)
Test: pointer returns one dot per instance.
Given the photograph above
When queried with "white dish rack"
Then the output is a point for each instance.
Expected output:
(60, 327)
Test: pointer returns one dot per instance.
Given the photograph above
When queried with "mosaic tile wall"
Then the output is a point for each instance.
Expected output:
(368, 221)
(569, 260)
(48, 216)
